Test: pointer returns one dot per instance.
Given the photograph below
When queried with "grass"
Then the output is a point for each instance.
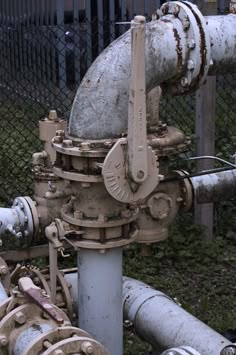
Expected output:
(200, 275)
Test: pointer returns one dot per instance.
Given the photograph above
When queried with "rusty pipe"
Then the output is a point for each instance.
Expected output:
(100, 108)
(214, 187)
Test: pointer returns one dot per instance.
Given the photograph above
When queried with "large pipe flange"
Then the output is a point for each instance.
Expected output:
(198, 46)
(17, 324)
(77, 345)
(52, 337)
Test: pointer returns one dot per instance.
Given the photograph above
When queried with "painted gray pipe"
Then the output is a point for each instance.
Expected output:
(100, 297)
(100, 108)
(159, 320)
(222, 30)
(164, 324)
(214, 187)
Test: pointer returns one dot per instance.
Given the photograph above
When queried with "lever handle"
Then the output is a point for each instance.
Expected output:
(29, 289)
(137, 123)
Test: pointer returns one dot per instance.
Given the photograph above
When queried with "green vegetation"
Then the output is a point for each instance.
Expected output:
(200, 275)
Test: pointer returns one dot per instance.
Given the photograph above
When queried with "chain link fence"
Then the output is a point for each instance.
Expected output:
(43, 57)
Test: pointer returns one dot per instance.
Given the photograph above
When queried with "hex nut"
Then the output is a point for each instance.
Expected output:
(67, 143)
(87, 347)
(52, 115)
(159, 205)
(3, 270)
(20, 318)
(85, 146)
(191, 65)
(58, 352)
(3, 340)
(191, 44)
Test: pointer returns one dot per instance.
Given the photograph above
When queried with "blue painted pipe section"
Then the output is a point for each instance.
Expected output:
(28, 336)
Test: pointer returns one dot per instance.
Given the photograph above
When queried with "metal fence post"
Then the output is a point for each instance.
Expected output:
(205, 132)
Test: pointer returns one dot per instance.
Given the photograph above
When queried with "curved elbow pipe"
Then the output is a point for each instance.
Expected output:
(100, 108)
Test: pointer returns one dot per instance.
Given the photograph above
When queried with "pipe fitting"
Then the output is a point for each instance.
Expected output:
(20, 221)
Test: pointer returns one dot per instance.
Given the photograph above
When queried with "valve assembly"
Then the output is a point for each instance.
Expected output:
(105, 183)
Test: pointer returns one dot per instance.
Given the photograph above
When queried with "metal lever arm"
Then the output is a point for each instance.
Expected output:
(130, 169)
(137, 130)
(34, 293)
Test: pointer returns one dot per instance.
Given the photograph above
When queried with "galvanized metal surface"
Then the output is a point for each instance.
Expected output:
(222, 31)
(164, 324)
(100, 107)
(214, 187)
(100, 296)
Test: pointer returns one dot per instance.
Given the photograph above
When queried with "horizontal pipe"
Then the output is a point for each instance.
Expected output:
(222, 30)
(164, 324)
(214, 187)
(159, 320)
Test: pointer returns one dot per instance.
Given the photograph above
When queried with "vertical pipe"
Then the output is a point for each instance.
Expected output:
(100, 296)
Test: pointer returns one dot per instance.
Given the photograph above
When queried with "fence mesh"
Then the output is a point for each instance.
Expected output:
(41, 65)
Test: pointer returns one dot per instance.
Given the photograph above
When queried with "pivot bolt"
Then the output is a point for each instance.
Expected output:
(20, 318)
(3, 340)
(87, 347)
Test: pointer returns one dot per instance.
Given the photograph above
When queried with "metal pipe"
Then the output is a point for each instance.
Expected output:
(100, 108)
(27, 337)
(214, 187)
(100, 296)
(222, 30)
(159, 320)
(164, 324)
